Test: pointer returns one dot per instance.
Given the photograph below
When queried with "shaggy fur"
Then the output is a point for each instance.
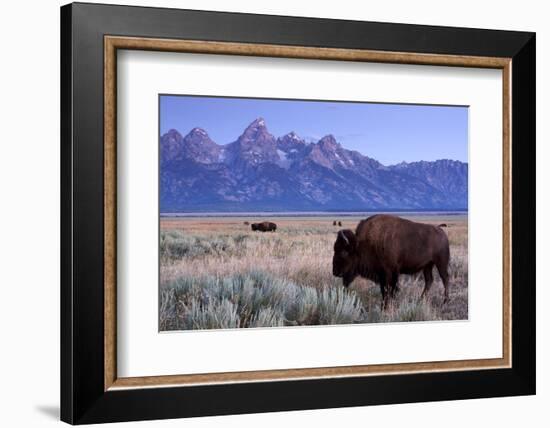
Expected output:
(385, 246)
(265, 226)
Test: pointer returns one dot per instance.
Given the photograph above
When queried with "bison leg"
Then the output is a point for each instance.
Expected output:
(385, 289)
(429, 279)
(394, 286)
(444, 274)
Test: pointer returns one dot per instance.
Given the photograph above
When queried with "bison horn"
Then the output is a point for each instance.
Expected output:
(342, 235)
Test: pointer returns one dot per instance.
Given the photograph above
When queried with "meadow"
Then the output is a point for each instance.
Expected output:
(217, 273)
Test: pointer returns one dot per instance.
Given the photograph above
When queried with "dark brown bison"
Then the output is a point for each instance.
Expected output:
(334, 223)
(339, 223)
(265, 226)
(246, 223)
(385, 246)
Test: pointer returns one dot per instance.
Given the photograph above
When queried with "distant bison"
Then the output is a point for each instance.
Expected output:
(339, 223)
(246, 223)
(384, 246)
(265, 226)
(334, 223)
(443, 225)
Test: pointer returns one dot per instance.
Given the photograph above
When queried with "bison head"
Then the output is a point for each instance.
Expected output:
(343, 261)
(254, 226)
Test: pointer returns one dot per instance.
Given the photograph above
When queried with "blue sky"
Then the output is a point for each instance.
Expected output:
(389, 133)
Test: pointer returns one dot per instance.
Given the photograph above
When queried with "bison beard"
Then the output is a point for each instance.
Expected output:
(385, 246)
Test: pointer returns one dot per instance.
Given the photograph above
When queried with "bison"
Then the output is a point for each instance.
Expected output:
(246, 223)
(340, 223)
(265, 226)
(334, 223)
(385, 246)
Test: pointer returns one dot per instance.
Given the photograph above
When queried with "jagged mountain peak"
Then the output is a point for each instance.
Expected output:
(260, 172)
(258, 122)
(291, 139)
(293, 136)
(446, 175)
(329, 153)
(196, 145)
(171, 145)
(198, 137)
(328, 143)
(258, 125)
(291, 143)
(173, 133)
(198, 132)
(256, 132)
(255, 146)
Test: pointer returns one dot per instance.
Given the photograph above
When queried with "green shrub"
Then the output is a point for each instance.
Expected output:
(267, 317)
(167, 313)
(197, 315)
(414, 310)
(253, 299)
(305, 231)
(175, 245)
(337, 306)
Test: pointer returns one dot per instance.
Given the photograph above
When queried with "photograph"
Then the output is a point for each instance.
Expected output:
(282, 213)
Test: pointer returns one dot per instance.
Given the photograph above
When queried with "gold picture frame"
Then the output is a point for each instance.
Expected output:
(114, 43)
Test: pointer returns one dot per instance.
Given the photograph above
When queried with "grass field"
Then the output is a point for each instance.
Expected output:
(216, 273)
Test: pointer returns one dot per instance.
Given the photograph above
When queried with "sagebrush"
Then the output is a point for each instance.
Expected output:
(253, 299)
(217, 273)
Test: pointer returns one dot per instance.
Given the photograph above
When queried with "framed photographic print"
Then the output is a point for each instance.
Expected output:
(264, 213)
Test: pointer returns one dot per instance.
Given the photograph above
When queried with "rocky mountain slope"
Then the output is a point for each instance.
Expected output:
(259, 172)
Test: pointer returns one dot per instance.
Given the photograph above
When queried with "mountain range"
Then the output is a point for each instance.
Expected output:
(261, 172)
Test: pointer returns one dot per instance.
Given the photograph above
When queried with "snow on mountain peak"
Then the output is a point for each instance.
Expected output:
(257, 123)
(199, 131)
(262, 172)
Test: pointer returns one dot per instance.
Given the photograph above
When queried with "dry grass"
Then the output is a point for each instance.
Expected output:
(204, 251)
